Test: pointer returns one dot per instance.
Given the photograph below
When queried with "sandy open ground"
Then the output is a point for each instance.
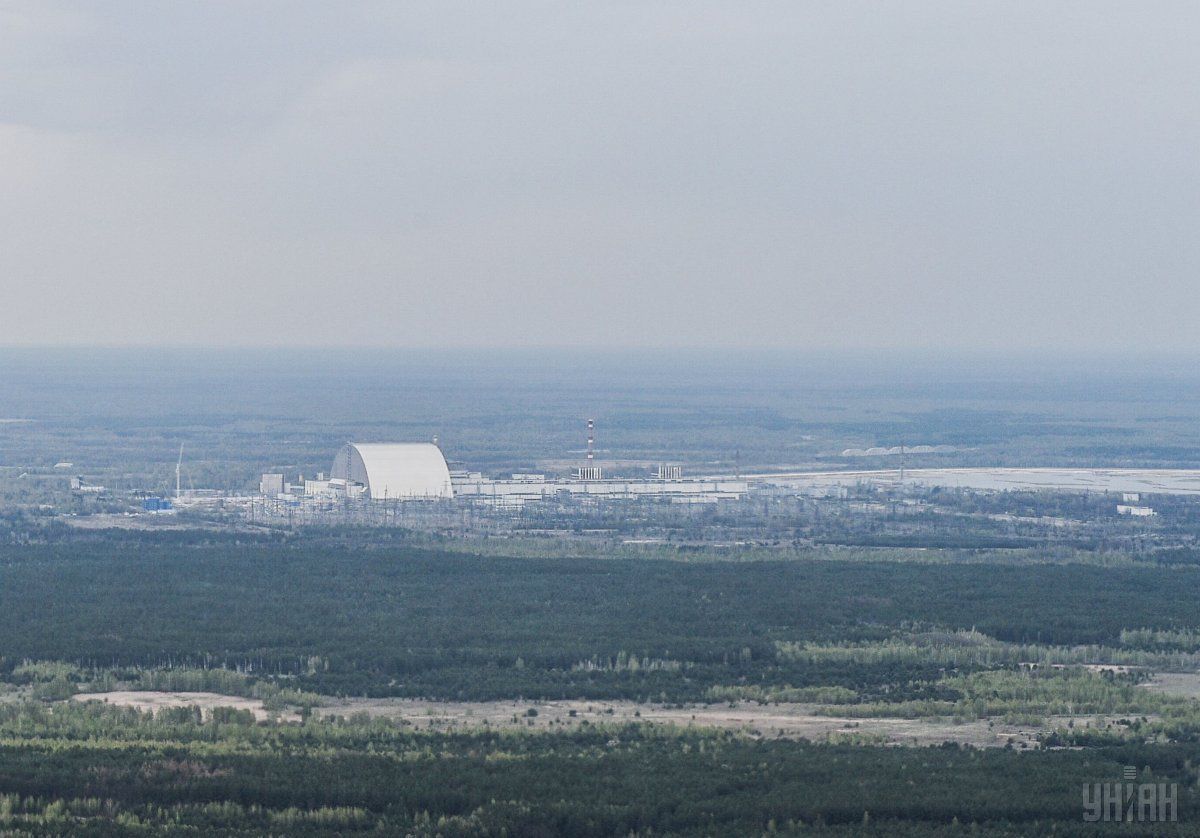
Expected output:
(1185, 684)
(793, 721)
(158, 700)
(148, 521)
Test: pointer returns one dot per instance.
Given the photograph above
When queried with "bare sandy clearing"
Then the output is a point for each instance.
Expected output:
(158, 700)
(789, 721)
(148, 521)
(1185, 684)
(792, 721)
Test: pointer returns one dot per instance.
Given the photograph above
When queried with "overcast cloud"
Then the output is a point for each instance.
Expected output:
(925, 174)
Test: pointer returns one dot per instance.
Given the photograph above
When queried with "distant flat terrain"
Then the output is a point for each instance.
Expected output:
(1147, 481)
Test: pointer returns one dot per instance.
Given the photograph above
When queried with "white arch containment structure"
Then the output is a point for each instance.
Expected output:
(395, 471)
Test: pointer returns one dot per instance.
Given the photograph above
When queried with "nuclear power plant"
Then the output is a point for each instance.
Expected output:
(418, 471)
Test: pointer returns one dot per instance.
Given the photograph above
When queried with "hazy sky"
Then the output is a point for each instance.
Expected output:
(926, 174)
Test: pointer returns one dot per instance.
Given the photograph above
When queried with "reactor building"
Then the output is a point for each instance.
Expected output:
(391, 471)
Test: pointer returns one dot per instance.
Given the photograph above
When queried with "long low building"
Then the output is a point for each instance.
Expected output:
(394, 471)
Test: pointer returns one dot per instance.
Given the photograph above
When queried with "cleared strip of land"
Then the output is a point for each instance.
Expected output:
(1183, 684)
(154, 701)
(791, 721)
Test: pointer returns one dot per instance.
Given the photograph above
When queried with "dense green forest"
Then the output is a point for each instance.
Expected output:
(290, 619)
(355, 620)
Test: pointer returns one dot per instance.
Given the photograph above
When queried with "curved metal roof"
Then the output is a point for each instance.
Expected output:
(395, 470)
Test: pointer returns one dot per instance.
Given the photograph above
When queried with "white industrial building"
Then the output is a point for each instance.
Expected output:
(1135, 511)
(393, 471)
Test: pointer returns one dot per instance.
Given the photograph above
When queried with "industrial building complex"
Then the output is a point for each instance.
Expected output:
(368, 473)
(413, 483)
(419, 471)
